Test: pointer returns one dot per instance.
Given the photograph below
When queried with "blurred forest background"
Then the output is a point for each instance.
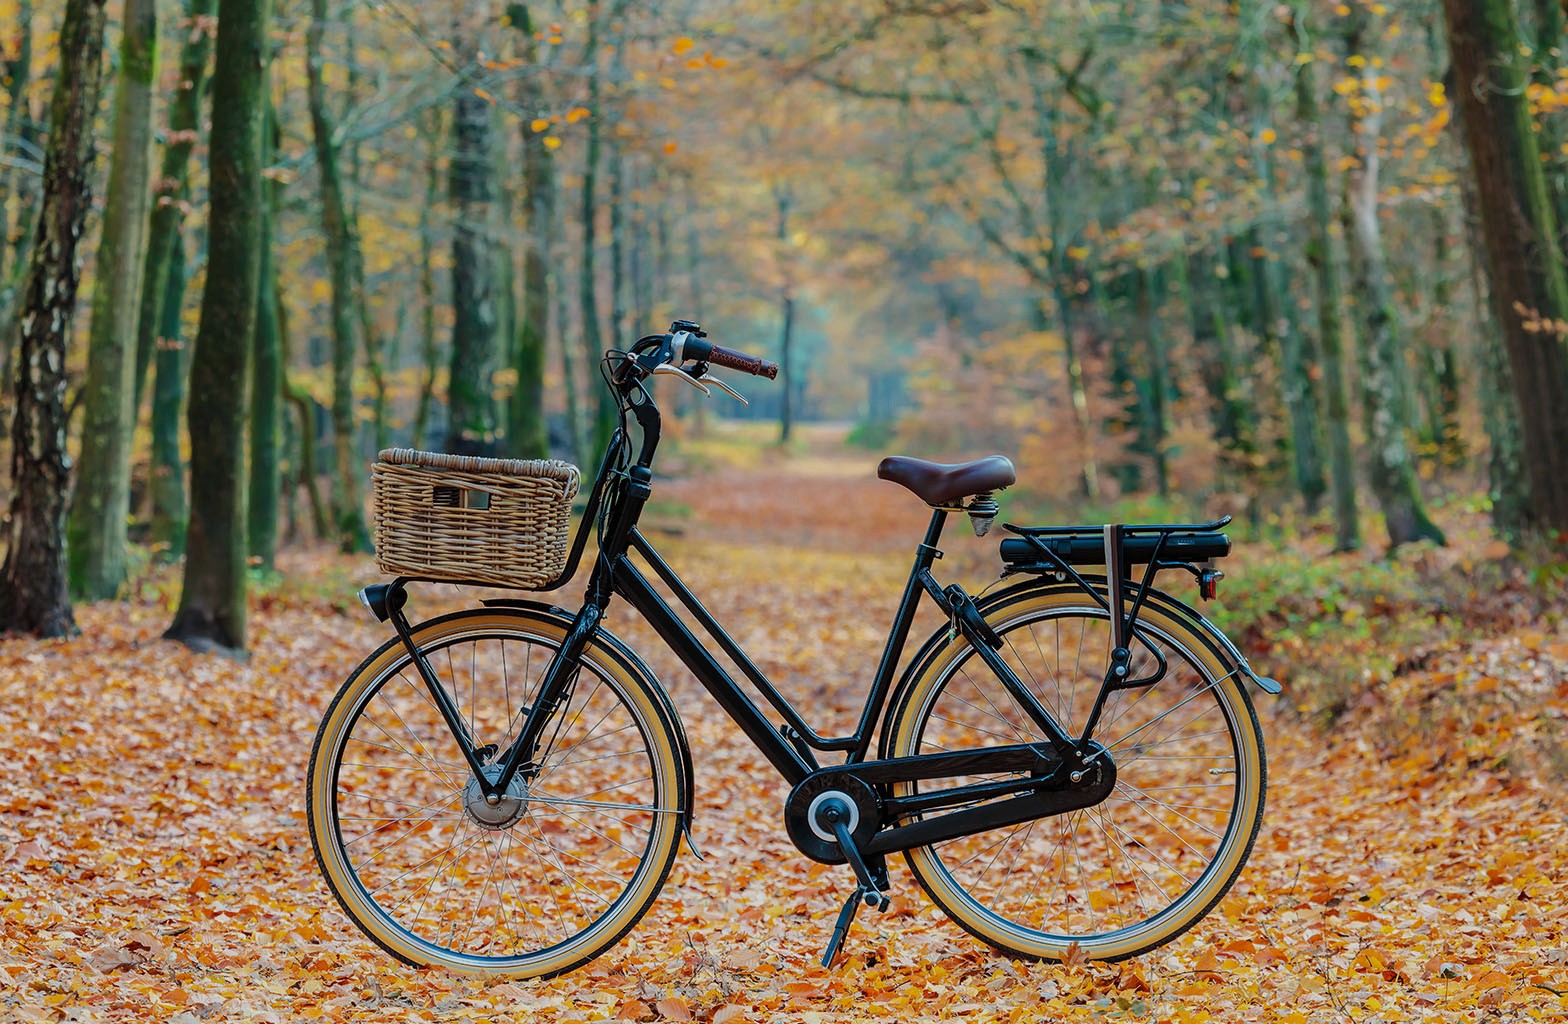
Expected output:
(1290, 260)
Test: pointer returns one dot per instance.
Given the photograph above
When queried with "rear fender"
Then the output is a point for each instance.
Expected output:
(1156, 598)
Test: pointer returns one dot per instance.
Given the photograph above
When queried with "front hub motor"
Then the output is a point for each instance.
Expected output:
(506, 807)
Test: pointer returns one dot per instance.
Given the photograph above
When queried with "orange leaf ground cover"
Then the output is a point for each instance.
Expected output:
(154, 861)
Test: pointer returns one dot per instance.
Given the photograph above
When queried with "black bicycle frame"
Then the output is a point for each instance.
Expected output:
(617, 502)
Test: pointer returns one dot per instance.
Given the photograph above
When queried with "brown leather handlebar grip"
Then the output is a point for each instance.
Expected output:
(721, 356)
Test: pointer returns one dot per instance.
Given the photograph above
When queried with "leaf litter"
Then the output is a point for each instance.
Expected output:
(155, 863)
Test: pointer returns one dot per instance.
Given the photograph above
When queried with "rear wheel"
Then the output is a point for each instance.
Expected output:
(541, 881)
(1143, 866)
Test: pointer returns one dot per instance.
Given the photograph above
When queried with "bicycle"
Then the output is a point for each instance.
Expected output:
(1072, 763)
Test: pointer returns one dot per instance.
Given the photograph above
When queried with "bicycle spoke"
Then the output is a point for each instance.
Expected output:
(1121, 875)
(449, 880)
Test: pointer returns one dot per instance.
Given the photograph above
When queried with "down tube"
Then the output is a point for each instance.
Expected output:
(639, 593)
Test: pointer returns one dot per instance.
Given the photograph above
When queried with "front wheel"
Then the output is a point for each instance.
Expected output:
(1143, 866)
(542, 880)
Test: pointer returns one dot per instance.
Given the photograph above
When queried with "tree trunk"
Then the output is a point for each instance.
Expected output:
(1211, 332)
(596, 396)
(348, 511)
(170, 367)
(1385, 409)
(172, 188)
(96, 531)
(1320, 256)
(470, 406)
(266, 481)
(526, 423)
(1155, 426)
(1548, 47)
(618, 284)
(1385, 386)
(694, 290)
(1063, 273)
(212, 600)
(1508, 486)
(33, 596)
(1442, 361)
(18, 73)
(782, 199)
(428, 347)
(307, 476)
(1529, 291)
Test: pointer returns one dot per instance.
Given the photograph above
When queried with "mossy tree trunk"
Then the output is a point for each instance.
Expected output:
(1385, 384)
(33, 596)
(1330, 299)
(526, 424)
(429, 348)
(211, 614)
(172, 187)
(96, 531)
(783, 200)
(348, 512)
(471, 409)
(17, 72)
(1529, 290)
(160, 344)
(266, 395)
(171, 365)
(598, 399)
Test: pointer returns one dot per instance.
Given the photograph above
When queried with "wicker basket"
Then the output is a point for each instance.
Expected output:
(462, 519)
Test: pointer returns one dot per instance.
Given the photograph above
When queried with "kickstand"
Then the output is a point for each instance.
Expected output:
(861, 895)
(841, 929)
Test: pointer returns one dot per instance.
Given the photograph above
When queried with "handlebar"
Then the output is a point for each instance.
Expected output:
(707, 352)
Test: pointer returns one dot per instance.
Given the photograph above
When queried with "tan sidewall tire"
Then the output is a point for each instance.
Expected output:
(656, 727)
(1244, 822)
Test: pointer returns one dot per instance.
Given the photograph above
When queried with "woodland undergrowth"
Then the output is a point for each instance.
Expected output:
(155, 865)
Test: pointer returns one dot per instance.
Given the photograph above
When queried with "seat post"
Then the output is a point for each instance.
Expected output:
(928, 551)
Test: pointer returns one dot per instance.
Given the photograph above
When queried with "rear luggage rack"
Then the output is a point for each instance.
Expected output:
(1055, 550)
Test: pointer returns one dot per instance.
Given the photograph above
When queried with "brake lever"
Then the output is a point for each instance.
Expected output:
(708, 378)
(683, 375)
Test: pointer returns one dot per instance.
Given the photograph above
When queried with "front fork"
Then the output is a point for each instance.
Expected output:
(387, 601)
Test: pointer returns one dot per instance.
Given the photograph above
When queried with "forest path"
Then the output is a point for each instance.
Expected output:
(154, 861)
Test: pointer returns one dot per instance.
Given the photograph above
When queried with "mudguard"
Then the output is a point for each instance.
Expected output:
(986, 603)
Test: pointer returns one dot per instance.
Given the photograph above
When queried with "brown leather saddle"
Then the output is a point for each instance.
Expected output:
(937, 483)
